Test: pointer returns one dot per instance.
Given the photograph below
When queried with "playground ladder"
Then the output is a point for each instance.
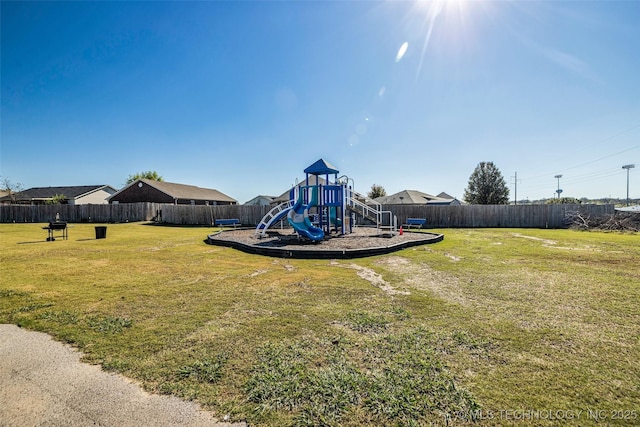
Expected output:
(272, 216)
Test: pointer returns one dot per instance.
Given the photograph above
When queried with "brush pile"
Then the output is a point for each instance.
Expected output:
(619, 221)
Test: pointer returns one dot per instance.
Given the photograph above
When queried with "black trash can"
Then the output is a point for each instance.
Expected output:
(101, 232)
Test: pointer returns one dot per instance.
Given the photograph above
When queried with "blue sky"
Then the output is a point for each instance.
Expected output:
(242, 96)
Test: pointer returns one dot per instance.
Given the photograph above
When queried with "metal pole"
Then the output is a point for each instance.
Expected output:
(558, 190)
(627, 167)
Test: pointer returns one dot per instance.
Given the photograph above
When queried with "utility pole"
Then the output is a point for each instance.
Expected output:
(515, 188)
(558, 190)
(627, 167)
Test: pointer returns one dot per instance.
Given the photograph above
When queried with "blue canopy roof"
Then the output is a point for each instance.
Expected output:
(321, 167)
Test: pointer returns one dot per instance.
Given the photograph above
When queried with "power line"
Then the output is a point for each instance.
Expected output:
(591, 177)
(617, 135)
(602, 158)
(636, 126)
(573, 181)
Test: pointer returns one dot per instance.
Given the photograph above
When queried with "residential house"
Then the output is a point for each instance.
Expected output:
(70, 195)
(414, 197)
(261, 200)
(446, 196)
(4, 200)
(146, 190)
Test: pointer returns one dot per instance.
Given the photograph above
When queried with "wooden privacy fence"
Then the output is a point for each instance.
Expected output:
(206, 215)
(79, 213)
(496, 216)
(437, 216)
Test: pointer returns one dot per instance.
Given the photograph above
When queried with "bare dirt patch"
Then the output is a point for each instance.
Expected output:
(257, 273)
(369, 275)
(452, 257)
(286, 266)
(423, 277)
(375, 279)
(545, 241)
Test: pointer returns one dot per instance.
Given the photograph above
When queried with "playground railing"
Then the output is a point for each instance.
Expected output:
(372, 211)
(272, 216)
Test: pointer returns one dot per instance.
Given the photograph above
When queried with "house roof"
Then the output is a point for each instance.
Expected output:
(260, 196)
(321, 167)
(411, 197)
(70, 192)
(182, 191)
(444, 195)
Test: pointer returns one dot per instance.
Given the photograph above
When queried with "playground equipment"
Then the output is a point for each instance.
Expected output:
(316, 210)
(298, 217)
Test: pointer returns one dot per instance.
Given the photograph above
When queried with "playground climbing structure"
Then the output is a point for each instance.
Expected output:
(316, 210)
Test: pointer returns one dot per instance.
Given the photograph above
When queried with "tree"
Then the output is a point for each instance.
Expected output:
(376, 191)
(486, 186)
(152, 175)
(13, 189)
(564, 201)
(58, 199)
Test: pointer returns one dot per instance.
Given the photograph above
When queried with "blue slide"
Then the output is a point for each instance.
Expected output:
(298, 217)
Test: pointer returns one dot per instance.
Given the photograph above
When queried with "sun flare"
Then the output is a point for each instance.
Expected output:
(443, 5)
(446, 19)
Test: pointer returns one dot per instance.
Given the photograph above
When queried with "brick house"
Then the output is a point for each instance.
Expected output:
(146, 190)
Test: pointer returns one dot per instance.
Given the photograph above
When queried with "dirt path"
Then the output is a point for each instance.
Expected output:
(422, 277)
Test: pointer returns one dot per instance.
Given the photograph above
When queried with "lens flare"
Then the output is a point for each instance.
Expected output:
(402, 51)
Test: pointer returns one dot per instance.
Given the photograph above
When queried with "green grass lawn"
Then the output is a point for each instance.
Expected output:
(491, 325)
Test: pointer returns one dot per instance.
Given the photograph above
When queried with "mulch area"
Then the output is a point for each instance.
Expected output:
(361, 238)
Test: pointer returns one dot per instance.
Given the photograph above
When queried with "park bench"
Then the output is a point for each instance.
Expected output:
(227, 222)
(56, 226)
(415, 222)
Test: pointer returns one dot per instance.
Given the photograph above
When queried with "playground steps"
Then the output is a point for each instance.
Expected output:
(384, 220)
(386, 230)
(363, 209)
(373, 217)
